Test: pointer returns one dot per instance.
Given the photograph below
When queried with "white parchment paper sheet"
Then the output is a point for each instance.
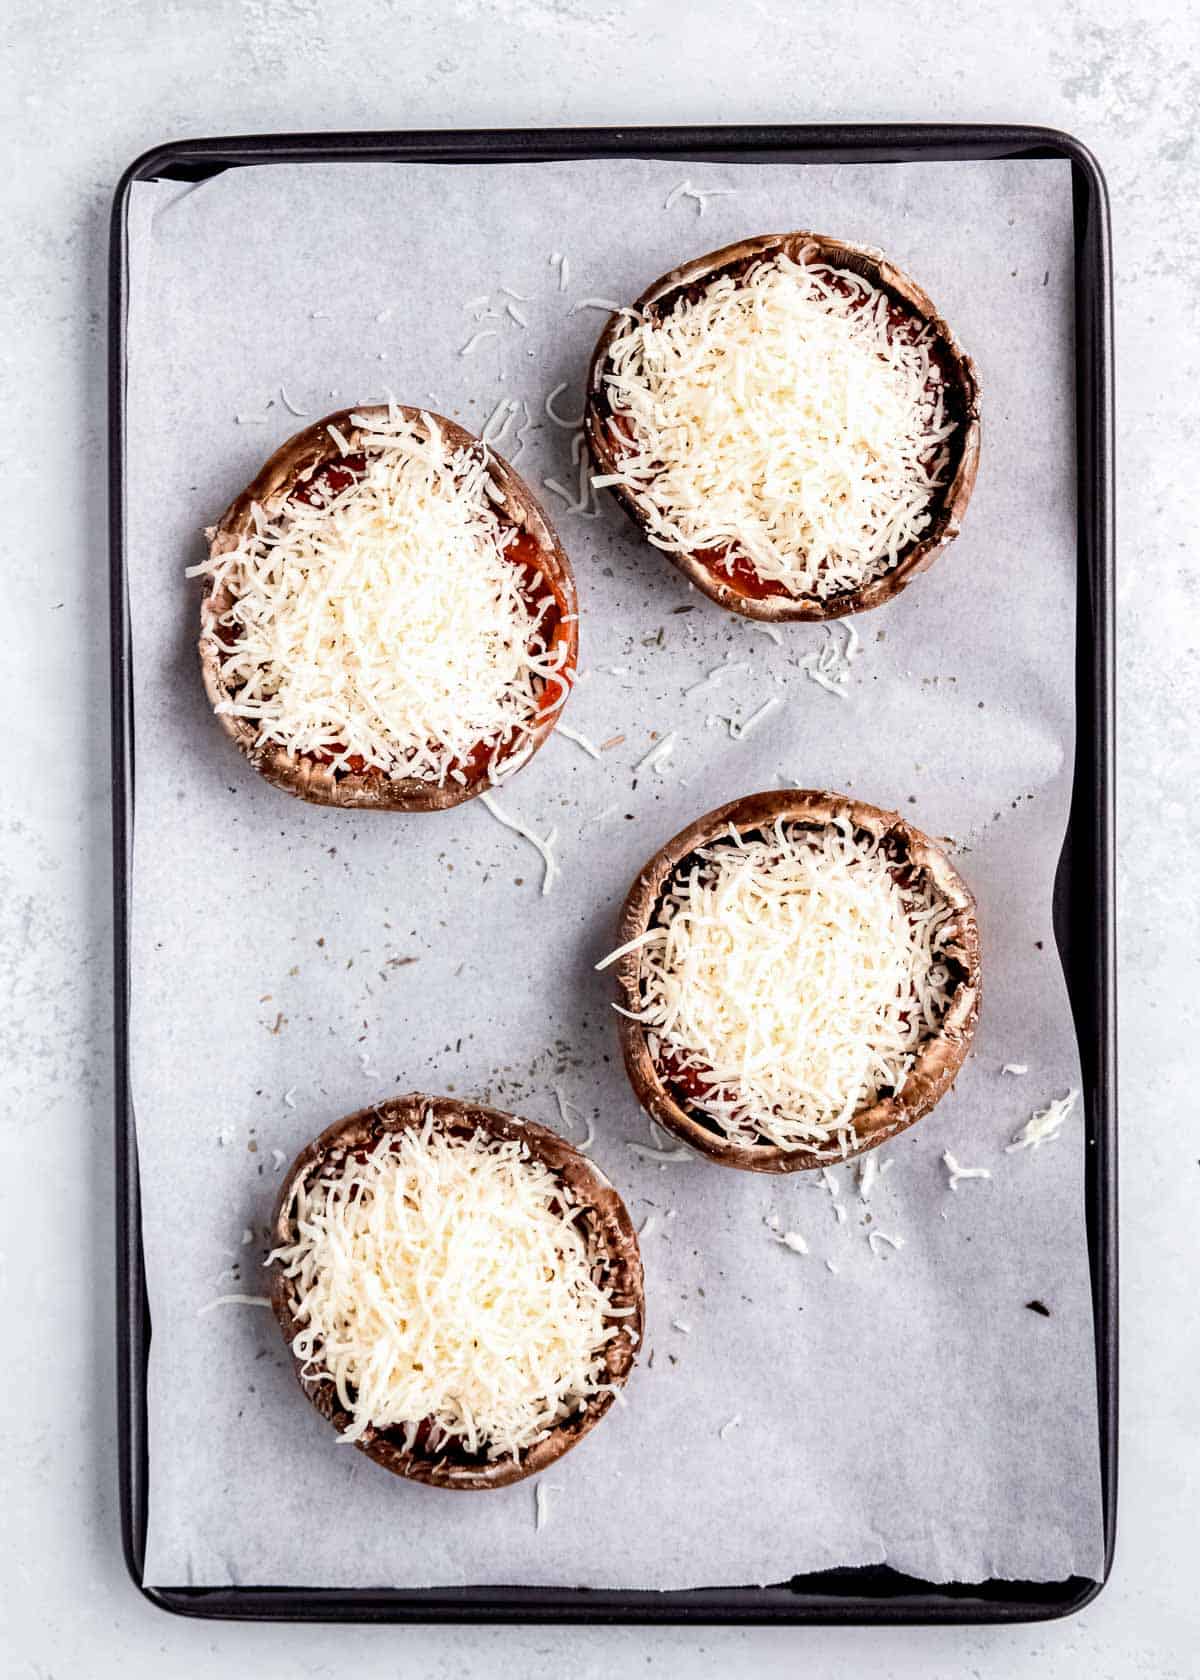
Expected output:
(906, 1408)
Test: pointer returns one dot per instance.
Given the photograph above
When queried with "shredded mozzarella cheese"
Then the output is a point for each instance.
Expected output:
(700, 195)
(792, 1240)
(1045, 1126)
(607, 304)
(386, 624)
(541, 1498)
(553, 415)
(868, 1172)
(657, 756)
(663, 1157)
(739, 728)
(716, 675)
(830, 666)
(444, 1279)
(781, 417)
(544, 848)
(956, 1172)
(589, 747)
(794, 980)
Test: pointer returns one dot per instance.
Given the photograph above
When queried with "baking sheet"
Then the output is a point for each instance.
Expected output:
(927, 1418)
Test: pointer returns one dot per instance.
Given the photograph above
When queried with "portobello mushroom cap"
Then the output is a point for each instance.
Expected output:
(690, 280)
(939, 1057)
(610, 1232)
(288, 468)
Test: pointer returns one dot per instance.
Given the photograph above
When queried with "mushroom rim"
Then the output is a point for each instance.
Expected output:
(952, 499)
(941, 1054)
(610, 1228)
(296, 459)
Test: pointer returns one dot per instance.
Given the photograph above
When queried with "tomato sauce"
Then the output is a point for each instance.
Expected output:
(735, 568)
(689, 1084)
(330, 479)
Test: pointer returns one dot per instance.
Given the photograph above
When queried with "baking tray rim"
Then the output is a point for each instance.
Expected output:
(858, 1595)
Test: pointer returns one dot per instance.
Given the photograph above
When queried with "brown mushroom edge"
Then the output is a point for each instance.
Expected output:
(608, 1226)
(939, 1059)
(291, 464)
(951, 501)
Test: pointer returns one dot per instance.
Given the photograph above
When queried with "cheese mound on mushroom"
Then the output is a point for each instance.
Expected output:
(386, 625)
(782, 417)
(789, 979)
(444, 1280)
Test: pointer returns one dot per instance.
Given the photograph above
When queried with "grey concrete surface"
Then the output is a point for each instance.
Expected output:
(85, 87)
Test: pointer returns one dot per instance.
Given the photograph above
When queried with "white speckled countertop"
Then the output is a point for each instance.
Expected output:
(89, 87)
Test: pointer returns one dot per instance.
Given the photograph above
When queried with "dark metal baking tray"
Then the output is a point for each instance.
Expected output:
(1084, 910)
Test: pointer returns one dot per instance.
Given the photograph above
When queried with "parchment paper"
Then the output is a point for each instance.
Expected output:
(906, 1408)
